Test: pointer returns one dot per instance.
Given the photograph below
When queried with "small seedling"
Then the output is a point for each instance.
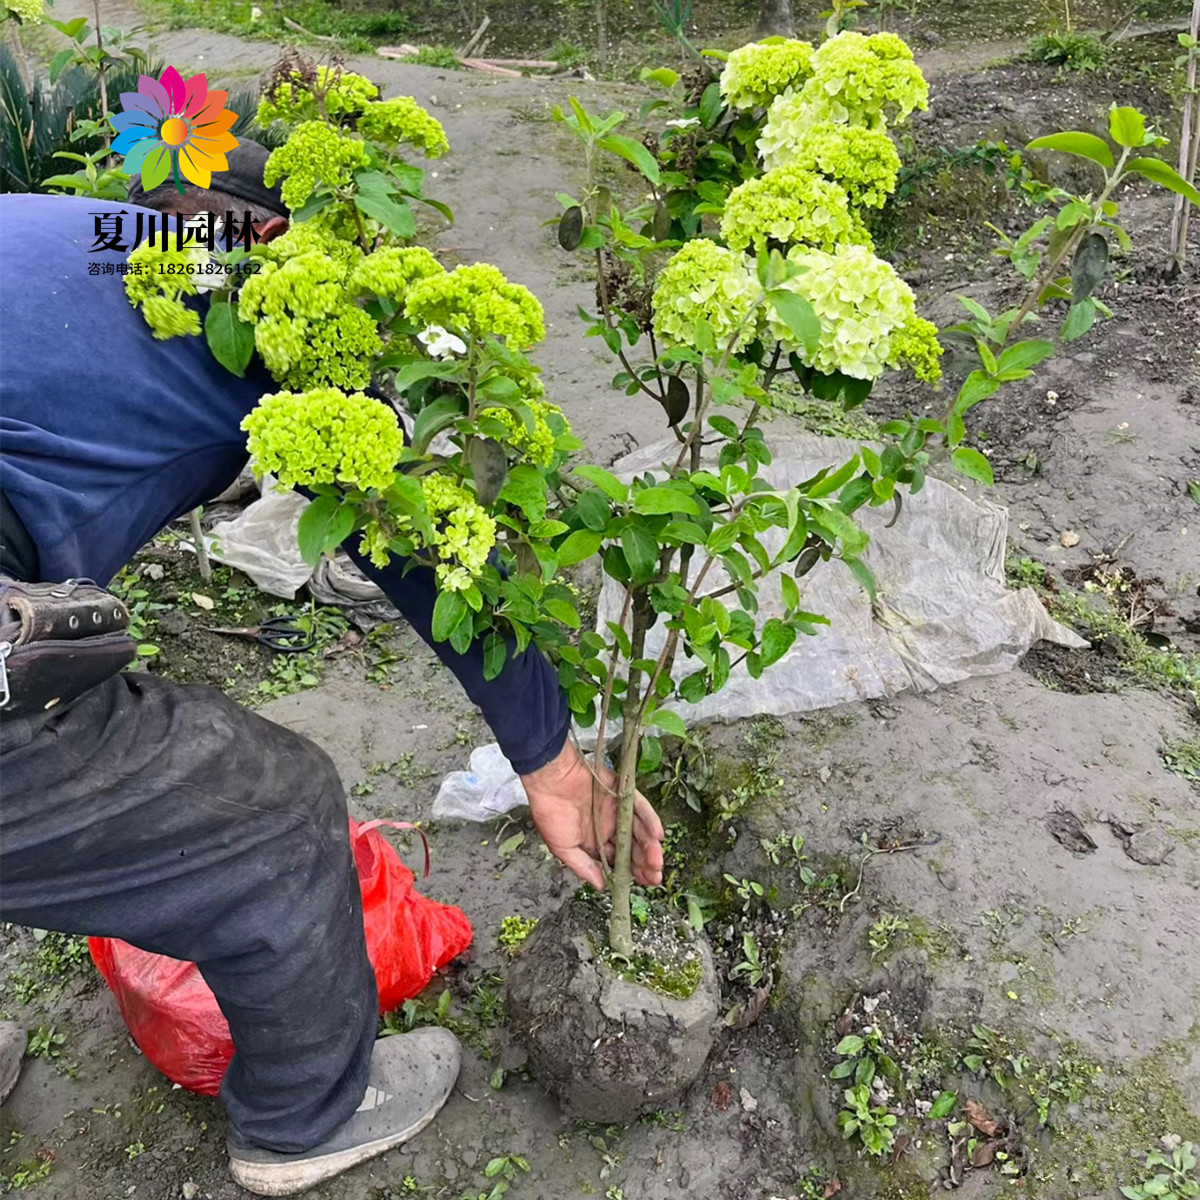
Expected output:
(1174, 1178)
(751, 967)
(881, 934)
(46, 1042)
(872, 1123)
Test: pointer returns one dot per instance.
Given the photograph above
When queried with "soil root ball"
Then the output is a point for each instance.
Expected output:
(607, 1049)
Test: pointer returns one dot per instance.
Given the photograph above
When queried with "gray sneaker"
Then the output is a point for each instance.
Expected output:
(12, 1052)
(412, 1076)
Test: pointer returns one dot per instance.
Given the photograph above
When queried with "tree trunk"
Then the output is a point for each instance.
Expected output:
(775, 19)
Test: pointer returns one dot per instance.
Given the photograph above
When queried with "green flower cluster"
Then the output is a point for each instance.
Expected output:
(27, 11)
(856, 80)
(915, 345)
(325, 436)
(306, 326)
(867, 314)
(477, 301)
(862, 161)
(392, 270)
(790, 205)
(463, 532)
(755, 74)
(314, 153)
(402, 119)
(290, 100)
(705, 283)
(158, 293)
(537, 444)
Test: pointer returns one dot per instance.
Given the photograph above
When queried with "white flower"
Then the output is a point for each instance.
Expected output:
(440, 342)
(682, 123)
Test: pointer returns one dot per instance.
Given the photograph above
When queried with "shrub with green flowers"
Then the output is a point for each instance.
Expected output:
(748, 262)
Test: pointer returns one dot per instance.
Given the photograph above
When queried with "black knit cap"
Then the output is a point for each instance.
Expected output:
(244, 179)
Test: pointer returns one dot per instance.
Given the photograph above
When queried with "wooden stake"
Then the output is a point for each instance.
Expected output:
(1189, 149)
(474, 39)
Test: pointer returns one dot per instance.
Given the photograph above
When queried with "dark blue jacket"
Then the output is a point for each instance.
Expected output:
(107, 434)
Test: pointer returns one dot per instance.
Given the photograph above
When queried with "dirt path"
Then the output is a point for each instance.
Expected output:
(1084, 960)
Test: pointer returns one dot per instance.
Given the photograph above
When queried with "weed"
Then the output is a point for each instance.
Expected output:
(751, 967)
(749, 892)
(45, 1042)
(1183, 757)
(435, 56)
(1177, 1180)
(135, 1150)
(514, 930)
(1070, 51)
(59, 958)
(881, 935)
(1025, 572)
(872, 1123)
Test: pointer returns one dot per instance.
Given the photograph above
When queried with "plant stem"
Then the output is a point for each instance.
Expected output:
(620, 923)
(201, 548)
(598, 755)
(100, 71)
(1189, 145)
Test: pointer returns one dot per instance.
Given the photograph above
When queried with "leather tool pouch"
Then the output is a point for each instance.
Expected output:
(57, 640)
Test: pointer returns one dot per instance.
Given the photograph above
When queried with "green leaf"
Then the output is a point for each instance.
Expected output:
(230, 339)
(1082, 145)
(1160, 173)
(711, 105)
(1126, 126)
(684, 531)
(633, 152)
(658, 500)
(324, 525)
(863, 574)
(606, 481)
(489, 468)
(663, 76)
(832, 483)
(943, 1106)
(976, 387)
(1024, 355)
(1079, 320)
(495, 651)
(777, 639)
(849, 1046)
(669, 722)
(433, 418)
(971, 463)
(641, 553)
(651, 755)
(798, 315)
(583, 543)
(592, 508)
(396, 216)
(59, 61)
(1088, 267)
(449, 611)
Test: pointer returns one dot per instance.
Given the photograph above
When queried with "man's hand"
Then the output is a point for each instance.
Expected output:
(560, 802)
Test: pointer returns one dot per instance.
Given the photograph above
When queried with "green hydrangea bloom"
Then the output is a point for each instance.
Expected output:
(314, 153)
(755, 74)
(158, 293)
(856, 80)
(463, 531)
(864, 162)
(307, 329)
(538, 445)
(311, 237)
(706, 283)
(478, 301)
(862, 305)
(915, 345)
(27, 11)
(402, 119)
(392, 270)
(325, 436)
(346, 94)
(788, 205)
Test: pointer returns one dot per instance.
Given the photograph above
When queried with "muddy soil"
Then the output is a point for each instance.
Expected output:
(932, 884)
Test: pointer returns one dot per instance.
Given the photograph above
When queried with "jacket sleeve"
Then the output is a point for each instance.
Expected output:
(524, 704)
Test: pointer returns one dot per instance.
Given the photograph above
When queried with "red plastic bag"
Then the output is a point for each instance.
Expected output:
(173, 1015)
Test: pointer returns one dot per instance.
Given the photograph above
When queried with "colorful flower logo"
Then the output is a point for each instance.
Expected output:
(171, 126)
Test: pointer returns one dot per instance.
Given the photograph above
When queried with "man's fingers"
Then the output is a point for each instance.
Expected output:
(644, 813)
(583, 864)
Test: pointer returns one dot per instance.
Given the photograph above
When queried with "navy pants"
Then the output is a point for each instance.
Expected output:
(172, 818)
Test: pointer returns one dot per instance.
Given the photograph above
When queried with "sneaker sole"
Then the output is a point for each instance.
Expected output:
(288, 1179)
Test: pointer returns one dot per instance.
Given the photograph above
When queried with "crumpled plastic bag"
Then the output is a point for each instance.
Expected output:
(261, 541)
(173, 1015)
(488, 788)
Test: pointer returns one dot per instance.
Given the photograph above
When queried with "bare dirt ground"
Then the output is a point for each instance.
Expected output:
(947, 888)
